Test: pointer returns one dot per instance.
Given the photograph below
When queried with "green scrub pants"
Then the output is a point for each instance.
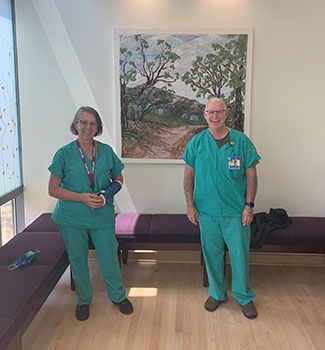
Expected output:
(77, 246)
(215, 232)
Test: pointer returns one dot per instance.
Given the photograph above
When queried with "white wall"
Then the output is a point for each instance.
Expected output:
(66, 59)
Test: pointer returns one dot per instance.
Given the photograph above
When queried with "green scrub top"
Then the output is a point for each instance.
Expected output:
(220, 187)
(69, 167)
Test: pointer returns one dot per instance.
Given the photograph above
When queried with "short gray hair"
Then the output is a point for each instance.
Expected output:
(91, 111)
(215, 98)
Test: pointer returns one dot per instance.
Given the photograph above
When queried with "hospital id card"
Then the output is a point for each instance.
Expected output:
(234, 163)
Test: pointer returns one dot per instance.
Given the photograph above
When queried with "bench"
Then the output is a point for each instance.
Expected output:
(143, 231)
(175, 232)
(24, 290)
(306, 234)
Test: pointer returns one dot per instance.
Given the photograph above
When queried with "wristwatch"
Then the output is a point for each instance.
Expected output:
(250, 204)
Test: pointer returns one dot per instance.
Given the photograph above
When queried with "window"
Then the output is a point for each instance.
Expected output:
(10, 169)
(7, 220)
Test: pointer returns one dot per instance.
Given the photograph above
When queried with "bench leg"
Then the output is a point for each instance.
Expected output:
(205, 276)
(72, 285)
(125, 256)
(119, 255)
(224, 261)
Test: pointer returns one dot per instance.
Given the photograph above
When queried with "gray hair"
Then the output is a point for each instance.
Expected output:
(215, 98)
(91, 111)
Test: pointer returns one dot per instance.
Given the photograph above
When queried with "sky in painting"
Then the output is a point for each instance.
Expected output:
(187, 46)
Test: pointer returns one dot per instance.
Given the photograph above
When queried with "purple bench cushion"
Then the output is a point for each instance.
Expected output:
(24, 287)
(128, 226)
(7, 332)
(132, 226)
(177, 228)
(170, 228)
(42, 223)
(278, 237)
(307, 231)
(304, 231)
(51, 246)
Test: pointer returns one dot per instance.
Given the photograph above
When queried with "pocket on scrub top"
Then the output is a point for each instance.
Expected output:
(104, 178)
(236, 173)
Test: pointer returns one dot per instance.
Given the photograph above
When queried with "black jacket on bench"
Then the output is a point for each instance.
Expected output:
(264, 223)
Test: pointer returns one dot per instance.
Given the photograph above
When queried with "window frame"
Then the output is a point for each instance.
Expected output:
(16, 195)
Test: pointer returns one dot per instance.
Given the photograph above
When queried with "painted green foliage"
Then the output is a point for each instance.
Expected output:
(158, 69)
(224, 70)
(146, 79)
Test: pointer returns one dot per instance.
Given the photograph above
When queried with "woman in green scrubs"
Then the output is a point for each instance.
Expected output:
(79, 171)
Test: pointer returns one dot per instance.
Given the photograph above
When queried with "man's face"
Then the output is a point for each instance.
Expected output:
(216, 114)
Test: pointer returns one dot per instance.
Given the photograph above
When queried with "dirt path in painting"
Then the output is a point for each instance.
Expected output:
(164, 143)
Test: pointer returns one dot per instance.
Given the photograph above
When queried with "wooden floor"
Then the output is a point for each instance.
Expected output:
(168, 300)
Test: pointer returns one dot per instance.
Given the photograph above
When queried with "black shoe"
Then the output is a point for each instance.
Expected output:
(125, 306)
(211, 304)
(82, 312)
(249, 310)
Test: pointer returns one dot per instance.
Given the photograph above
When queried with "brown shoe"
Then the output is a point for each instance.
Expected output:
(249, 310)
(211, 304)
(125, 306)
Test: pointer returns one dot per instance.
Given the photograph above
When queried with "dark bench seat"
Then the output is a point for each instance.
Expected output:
(7, 334)
(156, 232)
(175, 232)
(305, 235)
(24, 290)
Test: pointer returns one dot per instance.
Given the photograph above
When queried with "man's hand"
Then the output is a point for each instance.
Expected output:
(247, 215)
(192, 215)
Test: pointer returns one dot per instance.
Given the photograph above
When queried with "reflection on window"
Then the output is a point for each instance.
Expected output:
(10, 176)
(6, 221)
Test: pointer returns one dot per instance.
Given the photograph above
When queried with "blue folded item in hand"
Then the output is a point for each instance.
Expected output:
(110, 191)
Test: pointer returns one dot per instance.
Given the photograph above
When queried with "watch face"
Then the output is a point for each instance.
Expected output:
(250, 204)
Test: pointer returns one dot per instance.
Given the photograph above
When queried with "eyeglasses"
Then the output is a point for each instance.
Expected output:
(85, 123)
(219, 112)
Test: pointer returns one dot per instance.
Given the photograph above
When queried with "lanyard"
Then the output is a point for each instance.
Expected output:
(90, 175)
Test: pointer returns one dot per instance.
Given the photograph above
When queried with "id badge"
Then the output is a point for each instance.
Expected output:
(234, 163)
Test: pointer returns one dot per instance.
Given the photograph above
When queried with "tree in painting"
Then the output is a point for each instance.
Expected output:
(165, 81)
(224, 68)
(152, 70)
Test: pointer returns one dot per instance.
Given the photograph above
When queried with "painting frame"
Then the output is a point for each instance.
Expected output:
(120, 33)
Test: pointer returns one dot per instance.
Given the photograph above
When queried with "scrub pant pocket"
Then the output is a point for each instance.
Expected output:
(77, 246)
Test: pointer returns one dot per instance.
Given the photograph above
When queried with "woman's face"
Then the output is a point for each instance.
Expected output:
(86, 126)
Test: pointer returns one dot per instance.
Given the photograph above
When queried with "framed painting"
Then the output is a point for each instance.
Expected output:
(163, 82)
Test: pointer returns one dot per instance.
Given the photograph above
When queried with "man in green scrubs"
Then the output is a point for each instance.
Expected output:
(220, 184)
(79, 171)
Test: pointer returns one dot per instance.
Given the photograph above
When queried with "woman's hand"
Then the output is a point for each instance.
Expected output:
(56, 191)
(92, 200)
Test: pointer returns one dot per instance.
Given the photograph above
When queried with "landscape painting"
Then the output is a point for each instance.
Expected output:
(165, 81)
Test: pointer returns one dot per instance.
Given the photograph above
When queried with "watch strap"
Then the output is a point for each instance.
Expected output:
(250, 204)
